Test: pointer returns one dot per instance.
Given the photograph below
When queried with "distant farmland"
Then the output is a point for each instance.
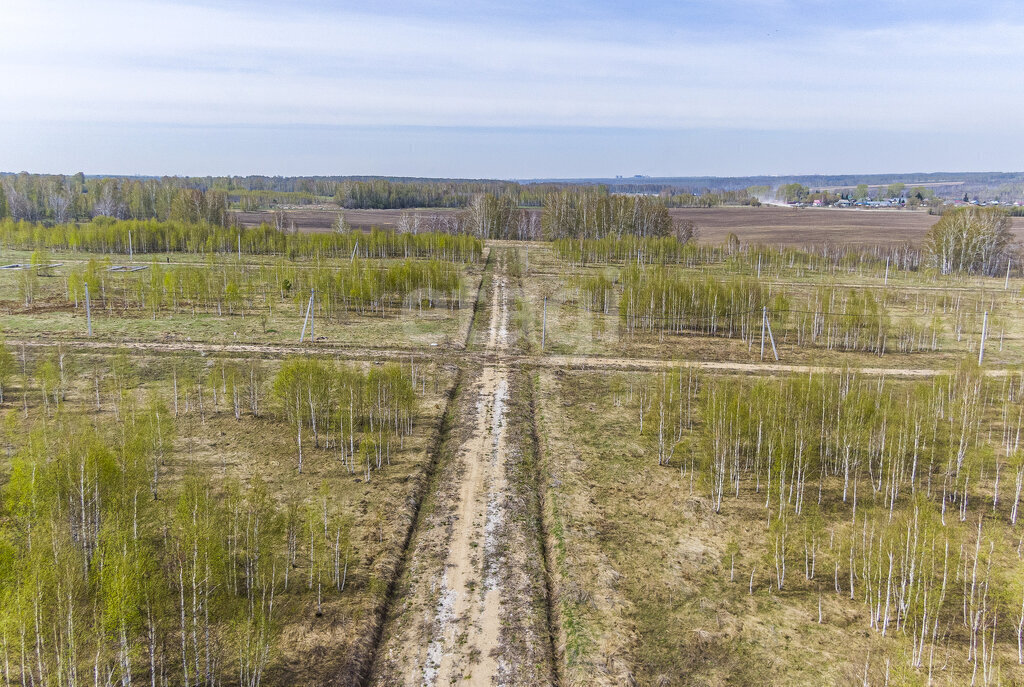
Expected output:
(777, 225)
(802, 226)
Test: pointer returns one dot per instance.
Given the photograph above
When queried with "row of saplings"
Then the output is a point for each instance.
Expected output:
(760, 260)
(654, 300)
(903, 497)
(139, 237)
(101, 582)
(227, 288)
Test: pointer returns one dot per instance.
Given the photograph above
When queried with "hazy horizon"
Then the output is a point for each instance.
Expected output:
(625, 178)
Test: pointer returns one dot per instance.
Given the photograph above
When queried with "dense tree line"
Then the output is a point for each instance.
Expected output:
(972, 239)
(662, 250)
(376, 192)
(382, 193)
(109, 236)
(595, 215)
(367, 415)
(761, 260)
(100, 584)
(487, 216)
(488, 210)
(61, 199)
(709, 199)
(252, 201)
(658, 300)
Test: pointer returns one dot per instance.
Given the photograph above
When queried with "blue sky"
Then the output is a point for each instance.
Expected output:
(510, 89)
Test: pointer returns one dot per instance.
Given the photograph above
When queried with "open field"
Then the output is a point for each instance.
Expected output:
(226, 439)
(767, 224)
(813, 226)
(506, 470)
(654, 585)
(326, 220)
(327, 361)
(259, 300)
(941, 316)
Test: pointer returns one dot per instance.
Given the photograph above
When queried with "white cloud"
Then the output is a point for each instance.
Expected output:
(113, 60)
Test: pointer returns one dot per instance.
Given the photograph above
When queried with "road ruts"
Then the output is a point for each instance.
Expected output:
(474, 358)
(471, 609)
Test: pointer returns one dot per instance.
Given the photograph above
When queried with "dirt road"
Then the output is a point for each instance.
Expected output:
(486, 357)
(470, 599)
(471, 609)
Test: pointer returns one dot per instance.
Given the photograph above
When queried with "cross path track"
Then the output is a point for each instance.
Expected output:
(574, 362)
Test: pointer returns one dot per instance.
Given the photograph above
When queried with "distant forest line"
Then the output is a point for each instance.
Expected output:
(79, 197)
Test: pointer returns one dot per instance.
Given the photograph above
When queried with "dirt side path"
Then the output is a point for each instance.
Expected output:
(471, 607)
(574, 362)
(584, 362)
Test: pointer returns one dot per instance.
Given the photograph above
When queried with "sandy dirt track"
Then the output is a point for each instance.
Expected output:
(466, 612)
(576, 362)
(470, 602)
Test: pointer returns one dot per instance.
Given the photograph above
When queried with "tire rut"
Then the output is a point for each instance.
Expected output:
(472, 606)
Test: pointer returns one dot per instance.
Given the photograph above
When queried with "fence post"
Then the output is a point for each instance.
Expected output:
(544, 325)
(771, 338)
(88, 310)
(764, 319)
(305, 321)
(984, 331)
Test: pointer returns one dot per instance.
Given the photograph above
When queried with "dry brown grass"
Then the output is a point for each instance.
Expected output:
(328, 649)
(571, 330)
(319, 220)
(640, 583)
(51, 316)
(642, 571)
(807, 226)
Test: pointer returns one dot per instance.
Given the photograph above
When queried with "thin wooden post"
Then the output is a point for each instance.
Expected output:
(88, 310)
(305, 321)
(544, 325)
(771, 338)
(984, 331)
(764, 319)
